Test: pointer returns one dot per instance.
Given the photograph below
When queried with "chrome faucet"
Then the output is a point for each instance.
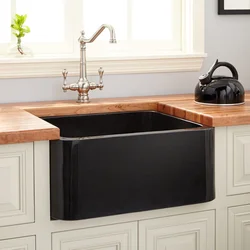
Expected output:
(83, 85)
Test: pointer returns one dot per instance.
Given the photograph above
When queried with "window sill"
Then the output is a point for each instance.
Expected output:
(52, 67)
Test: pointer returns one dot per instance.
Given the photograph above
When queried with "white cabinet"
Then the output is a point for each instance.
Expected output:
(16, 184)
(25, 243)
(238, 160)
(190, 232)
(114, 237)
(239, 228)
(194, 231)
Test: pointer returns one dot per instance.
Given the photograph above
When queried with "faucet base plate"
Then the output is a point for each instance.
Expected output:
(83, 98)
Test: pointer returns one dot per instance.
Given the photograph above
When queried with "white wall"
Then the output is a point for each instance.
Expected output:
(227, 38)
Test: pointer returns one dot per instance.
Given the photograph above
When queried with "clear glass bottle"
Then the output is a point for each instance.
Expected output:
(19, 50)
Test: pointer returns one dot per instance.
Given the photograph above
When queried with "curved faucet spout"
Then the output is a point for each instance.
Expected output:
(98, 32)
(83, 85)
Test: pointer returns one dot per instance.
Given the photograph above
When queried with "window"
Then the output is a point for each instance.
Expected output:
(152, 35)
(153, 30)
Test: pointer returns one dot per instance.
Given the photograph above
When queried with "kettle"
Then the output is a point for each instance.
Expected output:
(220, 90)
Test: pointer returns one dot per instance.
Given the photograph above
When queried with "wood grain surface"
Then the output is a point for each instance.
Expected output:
(17, 126)
(106, 105)
(20, 122)
(214, 116)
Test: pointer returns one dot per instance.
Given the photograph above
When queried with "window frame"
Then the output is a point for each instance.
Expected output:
(189, 58)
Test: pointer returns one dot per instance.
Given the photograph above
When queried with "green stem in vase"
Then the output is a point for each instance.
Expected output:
(19, 46)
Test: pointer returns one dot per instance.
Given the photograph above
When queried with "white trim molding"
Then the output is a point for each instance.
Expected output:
(19, 68)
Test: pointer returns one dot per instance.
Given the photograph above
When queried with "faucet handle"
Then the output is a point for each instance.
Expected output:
(101, 72)
(65, 74)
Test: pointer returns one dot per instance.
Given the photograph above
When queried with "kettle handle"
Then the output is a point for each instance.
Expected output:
(227, 65)
(207, 78)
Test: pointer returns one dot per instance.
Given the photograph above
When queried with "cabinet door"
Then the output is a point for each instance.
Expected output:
(190, 232)
(16, 184)
(238, 160)
(26, 243)
(114, 237)
(239, 228)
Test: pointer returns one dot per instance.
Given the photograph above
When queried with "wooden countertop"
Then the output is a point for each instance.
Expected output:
(20, 126)
(106, 105)
(20, 122)
(213, 116)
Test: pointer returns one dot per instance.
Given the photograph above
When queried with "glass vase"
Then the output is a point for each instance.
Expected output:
(19, 50)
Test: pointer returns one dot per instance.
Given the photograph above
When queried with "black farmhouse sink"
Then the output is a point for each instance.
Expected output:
(115, 163)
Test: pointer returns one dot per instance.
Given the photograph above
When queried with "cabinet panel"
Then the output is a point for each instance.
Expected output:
(16, 184)
(26, 243)
(189, 232)
(114, 237)
(239, 228)
(238, 160)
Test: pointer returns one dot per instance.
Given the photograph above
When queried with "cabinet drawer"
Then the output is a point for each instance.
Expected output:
(189, 232)
(114, 237)
(238, 160)
(26, 243)
(16, 184)
(239, 228)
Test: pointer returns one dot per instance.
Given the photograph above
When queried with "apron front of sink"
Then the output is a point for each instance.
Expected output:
(108, 175)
